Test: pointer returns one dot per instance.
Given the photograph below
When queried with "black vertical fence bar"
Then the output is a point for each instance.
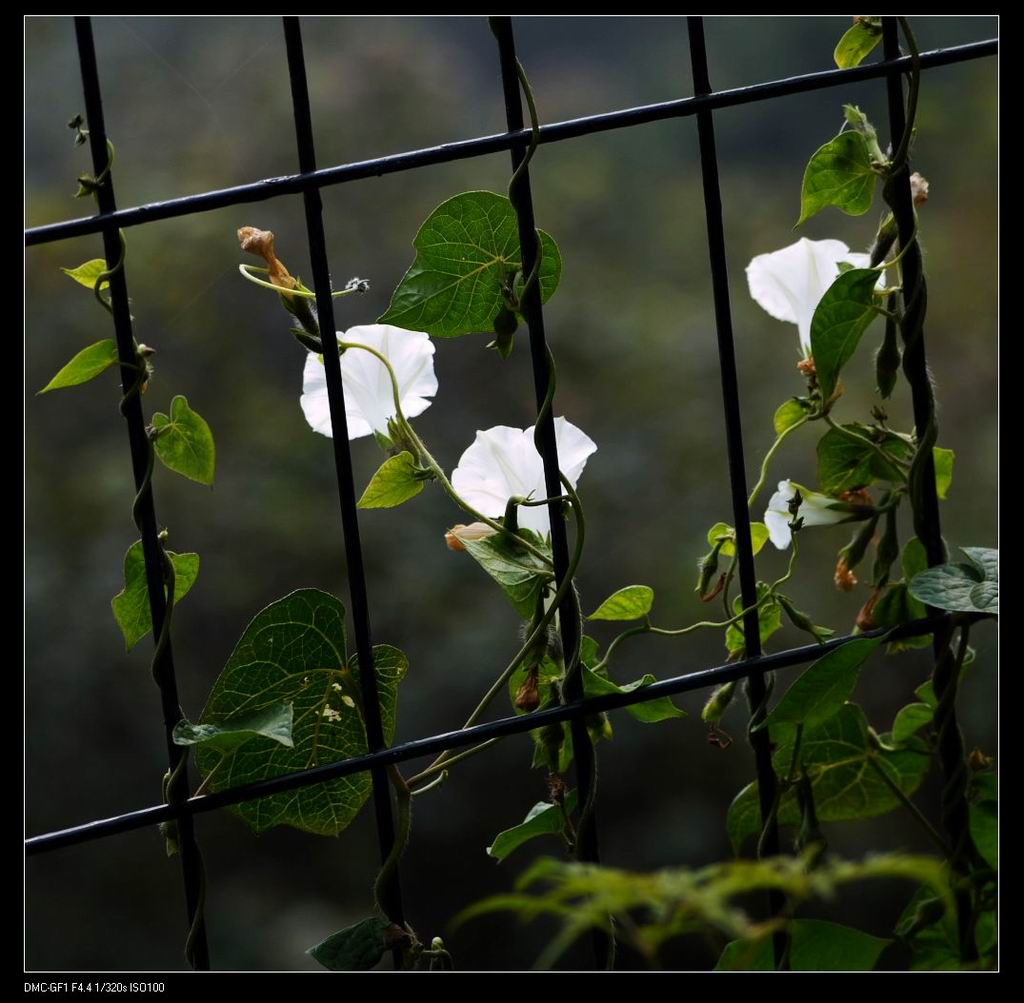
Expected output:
(391, 895)
(955, 809)
(191, 864)
(756, 686)
(583, 752)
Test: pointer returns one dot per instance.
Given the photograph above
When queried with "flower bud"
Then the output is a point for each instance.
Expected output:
(261, 243)
(866, 616)
(459, 535)
(887, 359)
(978, 761)
(528, 695)
(802, 621)
(707, 566)
(887, 552)
(884, 239)
(918, 189)
(718, 703)
(843, 577)
(850, 556)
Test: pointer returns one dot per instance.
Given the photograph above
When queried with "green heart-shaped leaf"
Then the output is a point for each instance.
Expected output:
(467, 252)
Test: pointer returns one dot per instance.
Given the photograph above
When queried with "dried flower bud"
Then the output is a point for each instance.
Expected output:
(556, 788)
(978, 761)
(866, 616)
(528, 695)
(857, 496)
(919, 189)
(261, 243)
(806, 366)
(459, 535)
(844, 578)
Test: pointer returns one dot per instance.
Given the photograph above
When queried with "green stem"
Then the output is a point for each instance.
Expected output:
(403, 828)
(542, 623)
(439, 767)
(933, 833)
(768, 459)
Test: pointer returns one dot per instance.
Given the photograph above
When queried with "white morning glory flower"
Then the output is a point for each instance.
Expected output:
(504, 463)
(369, 401)
(789, 283)
(815, 510)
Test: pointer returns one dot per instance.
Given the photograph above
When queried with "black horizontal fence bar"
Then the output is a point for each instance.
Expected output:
(371, 710)
(291, 184)
(417, 748)
(143, 509)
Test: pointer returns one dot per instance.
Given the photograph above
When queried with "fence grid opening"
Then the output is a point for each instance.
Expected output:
(180, 808)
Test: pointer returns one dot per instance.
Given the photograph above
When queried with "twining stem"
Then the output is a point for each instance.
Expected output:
(439, 766)
(647, 628)
(403, 828)
(769, 456)
(933, 834)
(542, 623)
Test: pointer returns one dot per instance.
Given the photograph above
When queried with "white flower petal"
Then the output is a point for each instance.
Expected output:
(503, 462)
(369, 397)
(574, 447)
(777, 517)
(790, 282)
(814, 510)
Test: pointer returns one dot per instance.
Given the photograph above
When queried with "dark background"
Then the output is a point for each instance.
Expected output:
(196, 104)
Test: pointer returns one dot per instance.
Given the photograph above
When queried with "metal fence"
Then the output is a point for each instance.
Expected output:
(309, 181)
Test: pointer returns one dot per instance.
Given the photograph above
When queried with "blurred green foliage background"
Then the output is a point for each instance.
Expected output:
(200, 103)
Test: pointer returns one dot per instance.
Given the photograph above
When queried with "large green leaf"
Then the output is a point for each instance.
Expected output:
(846, 785)
(824, 687)
(543, 819)
(395, 482)
(660, 709)
(273, 722)
(466, 250)
(86, 365)
(844, 463)
(294, 652)
(629, 603)
(184, 442)
(841, 174)
(131, 604)
(856, 44)
(962, 588)
(520, 573)
(843, 314)
(816, 946)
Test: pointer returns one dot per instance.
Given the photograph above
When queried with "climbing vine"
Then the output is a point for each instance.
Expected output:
(289, 697)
